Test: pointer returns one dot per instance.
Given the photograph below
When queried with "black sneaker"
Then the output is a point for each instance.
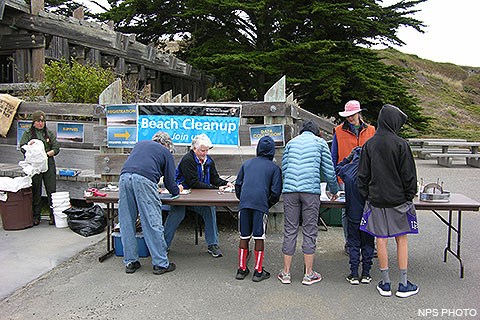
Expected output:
(353, 279)
(366, 279)
(131, 267)
(259, 276)
(241, 274)
(162, 270)
(215, 251)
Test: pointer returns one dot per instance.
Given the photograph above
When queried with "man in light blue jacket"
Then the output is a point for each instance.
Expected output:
(305, 159)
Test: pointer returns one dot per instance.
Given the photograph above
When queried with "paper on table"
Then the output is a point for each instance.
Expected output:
(185, 191)
(226, 189)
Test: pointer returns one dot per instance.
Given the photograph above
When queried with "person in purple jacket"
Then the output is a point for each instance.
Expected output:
(258, 187)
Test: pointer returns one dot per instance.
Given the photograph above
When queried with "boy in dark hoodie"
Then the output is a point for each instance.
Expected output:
(387, 179)
(258, 187)
(358, 242)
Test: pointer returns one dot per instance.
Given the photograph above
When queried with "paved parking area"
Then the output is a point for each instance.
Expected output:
(77, 286)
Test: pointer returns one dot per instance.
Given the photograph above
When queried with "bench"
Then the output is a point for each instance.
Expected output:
(446, 159)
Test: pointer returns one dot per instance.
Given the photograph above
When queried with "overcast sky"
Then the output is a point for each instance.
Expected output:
(451, 35)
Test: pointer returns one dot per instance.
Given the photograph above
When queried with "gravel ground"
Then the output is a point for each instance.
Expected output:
(205, 288)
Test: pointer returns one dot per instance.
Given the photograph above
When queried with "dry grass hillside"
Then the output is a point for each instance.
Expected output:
(448, 93)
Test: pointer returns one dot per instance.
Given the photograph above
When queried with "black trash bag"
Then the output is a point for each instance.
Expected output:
(86, 221)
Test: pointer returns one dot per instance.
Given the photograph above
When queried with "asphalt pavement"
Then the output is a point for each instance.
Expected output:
(50, 273)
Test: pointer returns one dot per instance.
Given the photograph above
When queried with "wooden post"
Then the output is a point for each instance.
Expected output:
(111, 95)
(38, 54)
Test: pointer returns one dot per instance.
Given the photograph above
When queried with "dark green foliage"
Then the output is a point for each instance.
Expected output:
(74, 82)
(249, 45)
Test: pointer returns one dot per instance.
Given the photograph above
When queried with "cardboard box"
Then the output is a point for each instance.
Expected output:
(142, 246)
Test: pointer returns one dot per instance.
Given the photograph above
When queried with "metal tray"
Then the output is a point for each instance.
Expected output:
(435, 197)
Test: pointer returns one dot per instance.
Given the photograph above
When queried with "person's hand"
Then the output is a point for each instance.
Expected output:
(332, 197)
(51, 153)
(180, 187)
(230, 185)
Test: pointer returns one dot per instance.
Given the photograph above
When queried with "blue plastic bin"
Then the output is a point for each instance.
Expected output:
(142, 246)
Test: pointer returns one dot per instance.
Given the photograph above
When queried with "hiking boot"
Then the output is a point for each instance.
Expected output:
(406, 291)
(355, 280)
(311, 278)
(259, 276)
(162, 270)
(215, 251)
(241, 274)
(366, 279)
(131, 267)
(284, 278)
(384, 289)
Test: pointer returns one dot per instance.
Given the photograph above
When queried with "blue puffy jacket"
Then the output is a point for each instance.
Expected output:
(305, 159)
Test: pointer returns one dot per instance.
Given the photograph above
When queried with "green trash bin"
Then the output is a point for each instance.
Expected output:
(17, 211)
(332, 216)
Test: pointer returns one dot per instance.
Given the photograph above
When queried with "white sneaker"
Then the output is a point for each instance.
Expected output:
(284, 278)
(311, 278)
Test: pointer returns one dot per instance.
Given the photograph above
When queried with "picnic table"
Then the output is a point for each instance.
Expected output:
(420, 148)
(450, 150)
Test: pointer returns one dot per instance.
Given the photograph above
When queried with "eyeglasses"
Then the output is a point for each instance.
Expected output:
(40, 120)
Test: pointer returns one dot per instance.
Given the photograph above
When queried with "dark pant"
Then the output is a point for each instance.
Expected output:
(49, 178)
(359, 242)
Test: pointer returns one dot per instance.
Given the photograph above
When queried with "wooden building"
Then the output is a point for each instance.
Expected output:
(31, 37)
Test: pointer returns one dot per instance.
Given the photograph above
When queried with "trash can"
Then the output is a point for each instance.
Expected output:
(17, 211)
(332, 216)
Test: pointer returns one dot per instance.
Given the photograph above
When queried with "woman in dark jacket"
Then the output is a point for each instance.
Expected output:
(39, 131)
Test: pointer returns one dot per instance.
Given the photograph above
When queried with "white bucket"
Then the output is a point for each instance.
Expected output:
(60, 196)
(60, 218)
(62, 203)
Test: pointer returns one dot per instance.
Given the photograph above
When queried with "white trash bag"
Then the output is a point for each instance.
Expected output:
(36, 159)
(14, 184)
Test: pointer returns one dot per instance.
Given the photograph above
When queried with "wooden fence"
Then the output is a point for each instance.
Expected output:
(96, 163)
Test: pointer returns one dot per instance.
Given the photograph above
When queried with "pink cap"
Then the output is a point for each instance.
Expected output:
(351, 107)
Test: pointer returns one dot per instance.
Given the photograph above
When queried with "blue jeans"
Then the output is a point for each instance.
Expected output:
(177, 214)
(139, 196)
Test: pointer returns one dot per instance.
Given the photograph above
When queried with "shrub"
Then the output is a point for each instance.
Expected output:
(75, 83)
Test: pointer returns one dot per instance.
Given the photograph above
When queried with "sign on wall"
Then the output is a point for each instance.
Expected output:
(275, 131)
(22, 126)
(184, 121)
(70, 132)
(121, 125)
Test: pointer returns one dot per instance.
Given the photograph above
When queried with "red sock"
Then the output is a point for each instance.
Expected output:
(242, 258)
(259, 260)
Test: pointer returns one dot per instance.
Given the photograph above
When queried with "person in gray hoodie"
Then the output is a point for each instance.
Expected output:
(258, 187)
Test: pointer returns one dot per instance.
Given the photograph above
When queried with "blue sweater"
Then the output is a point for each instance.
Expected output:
(259, 180)
(347, 170)
(152, 160)
(305, 159)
